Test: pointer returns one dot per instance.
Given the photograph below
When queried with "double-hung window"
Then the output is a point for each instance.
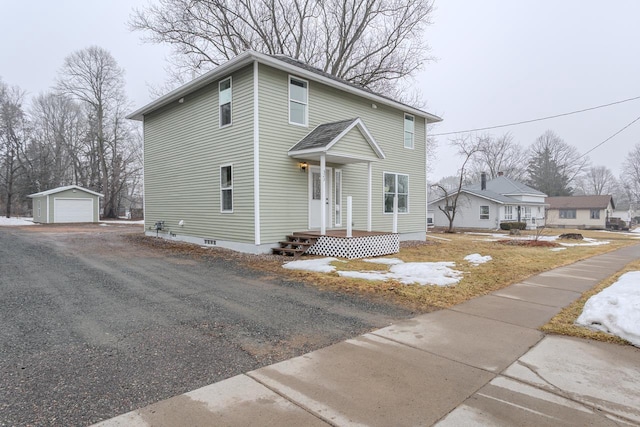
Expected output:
(224, 101)
(527, 212)
(484, 212)
(409, 130)
(508, 212)
(298, 101)
(226, 188)
(594, 214)
(396, 184)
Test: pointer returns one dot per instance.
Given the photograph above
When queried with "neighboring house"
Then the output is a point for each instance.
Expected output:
(66, 204)
(264, 146)
(488, 203)
(579, 211)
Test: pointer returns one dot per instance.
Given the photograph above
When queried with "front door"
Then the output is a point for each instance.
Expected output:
(316, 204)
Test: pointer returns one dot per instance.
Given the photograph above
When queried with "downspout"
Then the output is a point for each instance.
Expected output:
(256, 156)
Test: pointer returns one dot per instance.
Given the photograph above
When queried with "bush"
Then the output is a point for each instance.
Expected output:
(513, 225)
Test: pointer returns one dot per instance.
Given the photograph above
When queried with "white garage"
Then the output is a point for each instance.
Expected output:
(69, 204)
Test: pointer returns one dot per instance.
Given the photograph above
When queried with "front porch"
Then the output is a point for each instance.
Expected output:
(361, 244)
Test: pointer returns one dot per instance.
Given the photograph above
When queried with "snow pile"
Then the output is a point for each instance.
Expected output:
(558, 249)
(14, 222)
(385, 261)
(616, 309)
(587, 242)
(319, 265)
(422, 273)
(477, 259)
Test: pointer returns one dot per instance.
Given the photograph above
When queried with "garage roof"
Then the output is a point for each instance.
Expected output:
(65, 188)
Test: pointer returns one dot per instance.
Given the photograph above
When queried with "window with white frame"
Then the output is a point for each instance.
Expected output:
(226, 188)
(508, 212)
(567, 213)
(39, 208)
(527, 212)
(298, 101)
(409, 130)
(594, 214)
(396, 184)
(484, 212)
(338, 196)
(224, 101)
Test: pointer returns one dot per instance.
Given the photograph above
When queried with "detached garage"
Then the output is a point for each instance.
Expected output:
(66, 204)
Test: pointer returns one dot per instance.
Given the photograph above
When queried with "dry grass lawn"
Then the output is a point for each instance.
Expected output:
(510, 264)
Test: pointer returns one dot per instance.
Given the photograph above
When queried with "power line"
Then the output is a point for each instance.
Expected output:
(541, 118)
(636, 119)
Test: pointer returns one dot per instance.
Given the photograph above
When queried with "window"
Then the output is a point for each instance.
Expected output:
(39, 208)
(484, 212)
(338, 197)
(298, 101)
(508, 212)
(226, 188)
(595, 214)
(409, 130)
(396, 184)
(527, 212)
(568, 213)
(224, 102)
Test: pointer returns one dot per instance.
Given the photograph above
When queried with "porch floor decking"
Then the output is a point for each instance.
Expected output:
(362, 244)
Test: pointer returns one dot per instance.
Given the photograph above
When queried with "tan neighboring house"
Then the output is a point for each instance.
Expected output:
(265, 146)
(579, 211)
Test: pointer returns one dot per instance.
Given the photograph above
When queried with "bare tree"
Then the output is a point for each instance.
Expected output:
(499, 154)
(554, 165)
(93, 77)
(14, 134)
(467, 147)
(631, 175)
(372, 43)
(597, 180)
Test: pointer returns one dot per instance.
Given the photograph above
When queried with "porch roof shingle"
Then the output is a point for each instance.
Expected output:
(322, 135)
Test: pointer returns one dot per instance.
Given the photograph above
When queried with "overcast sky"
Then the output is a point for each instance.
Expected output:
(498, 61)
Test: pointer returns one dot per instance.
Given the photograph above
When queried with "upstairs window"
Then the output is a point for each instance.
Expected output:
(396, 184)
(298, 101)
(409, 130)
(224, 102)
(226, 188)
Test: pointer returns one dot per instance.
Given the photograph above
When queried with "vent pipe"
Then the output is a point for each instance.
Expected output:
(483, 181)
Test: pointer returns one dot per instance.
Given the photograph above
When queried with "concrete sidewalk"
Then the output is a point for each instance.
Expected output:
(479, 363)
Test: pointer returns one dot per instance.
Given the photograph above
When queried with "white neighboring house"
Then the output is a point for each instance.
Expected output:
(487, 204)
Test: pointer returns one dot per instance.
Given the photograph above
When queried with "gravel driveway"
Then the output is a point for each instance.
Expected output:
(93, 325)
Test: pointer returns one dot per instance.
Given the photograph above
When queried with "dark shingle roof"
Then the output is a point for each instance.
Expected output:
(322, 135)
(579, 202)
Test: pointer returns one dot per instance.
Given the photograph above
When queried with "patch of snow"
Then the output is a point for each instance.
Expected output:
(319, 265)
(102, 224)
(385, 261)
(426, 273)
(430, 236)
(477, 259)
(115, 221)
(616, 309)
(587, 241)
(366, 275)
(15, 222)
(558, 249)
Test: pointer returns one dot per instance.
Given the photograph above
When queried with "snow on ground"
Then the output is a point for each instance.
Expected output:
(117, 221)
(320, 265)
(587, 241)
(558, 249)
(14, 222)
(422, 273)
(616, 309)
(385, 261)
(477, 259)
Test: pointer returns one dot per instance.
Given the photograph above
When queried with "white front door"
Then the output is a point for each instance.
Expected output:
(315, 202)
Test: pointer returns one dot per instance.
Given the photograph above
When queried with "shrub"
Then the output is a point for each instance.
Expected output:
(513, 225)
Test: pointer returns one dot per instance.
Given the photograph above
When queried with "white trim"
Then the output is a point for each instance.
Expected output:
(306, 110)
(256, 156)
(39, 204)
(220, 125)
(369, 194)
(426, 180)
(47, 221)
(247, 58)
(337, 201)
(488, 213)
(323, 195)
(413, 133)
(222, 210)
(65, 188)
(329, 172)
(396, 192)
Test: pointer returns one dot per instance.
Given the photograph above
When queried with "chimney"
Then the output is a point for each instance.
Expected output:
(483, 181)
(500, 173)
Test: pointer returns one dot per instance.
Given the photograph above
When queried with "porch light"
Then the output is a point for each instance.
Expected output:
(303, 166)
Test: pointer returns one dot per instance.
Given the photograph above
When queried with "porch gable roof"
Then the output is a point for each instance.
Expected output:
(325, 136)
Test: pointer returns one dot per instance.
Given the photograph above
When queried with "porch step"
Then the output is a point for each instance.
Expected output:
(295, 245)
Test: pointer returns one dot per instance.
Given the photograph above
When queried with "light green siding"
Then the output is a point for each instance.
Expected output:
(354, 144)
(184, 150)
(284, 189)
(40, 209)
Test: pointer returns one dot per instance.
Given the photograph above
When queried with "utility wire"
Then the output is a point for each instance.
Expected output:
(611, 137)
(543, 118)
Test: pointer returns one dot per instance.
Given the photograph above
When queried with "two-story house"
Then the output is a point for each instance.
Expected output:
(263, 146)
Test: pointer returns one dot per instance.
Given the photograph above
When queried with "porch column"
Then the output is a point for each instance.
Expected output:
(323, 195)
(369, 164)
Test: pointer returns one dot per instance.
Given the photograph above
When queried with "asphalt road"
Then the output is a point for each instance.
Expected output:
(92, 326)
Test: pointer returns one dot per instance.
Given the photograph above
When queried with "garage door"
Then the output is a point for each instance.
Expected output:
(73, 210)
